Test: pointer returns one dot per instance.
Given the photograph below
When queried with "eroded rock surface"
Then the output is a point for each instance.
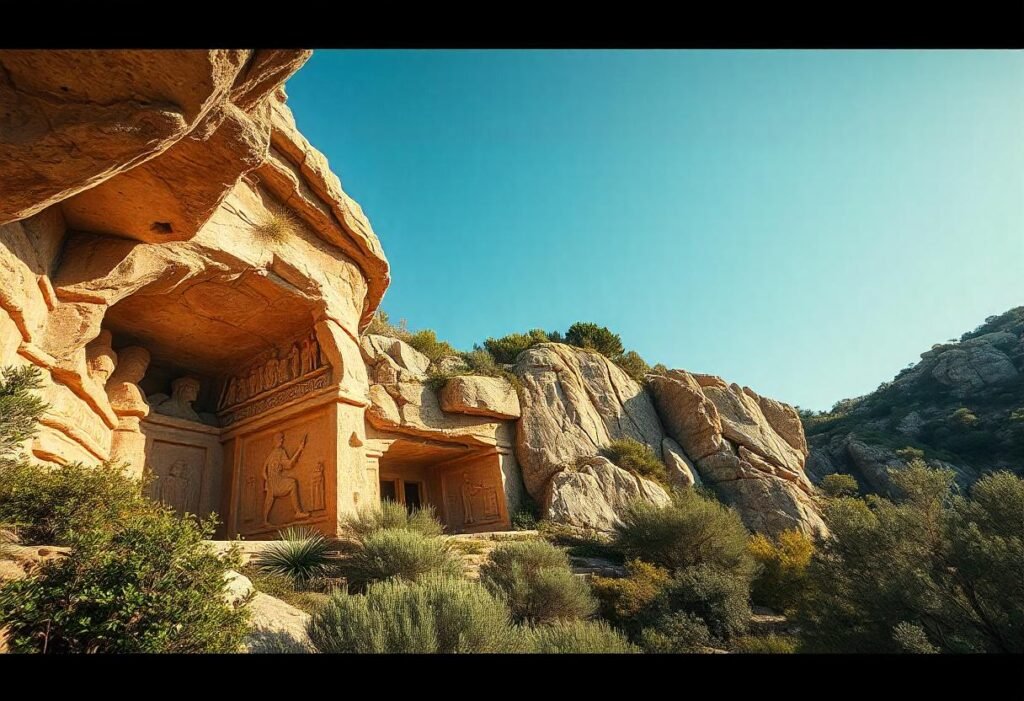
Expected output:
(480, 396)
(595, 495)
(575, 402)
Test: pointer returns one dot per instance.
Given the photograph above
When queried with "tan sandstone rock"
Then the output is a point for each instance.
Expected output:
(480, 396)
(574, 402)
(681, 472)
(276, 627)
(751, 449)
(594, 496)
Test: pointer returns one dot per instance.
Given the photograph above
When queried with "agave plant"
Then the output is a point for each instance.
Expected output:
(301, 554)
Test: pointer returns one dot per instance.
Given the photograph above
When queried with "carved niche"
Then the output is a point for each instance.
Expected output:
(275, 380)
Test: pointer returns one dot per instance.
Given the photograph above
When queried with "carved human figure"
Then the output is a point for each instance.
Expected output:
(469, 490)
(255, 381)
(283, 371)
(319, 487)
(307, 351)
(100, 358)
(123, 386)
(251, 500)
(294, 362)
(174, 486)
(184, 391)
(277, 482)
(270, 374)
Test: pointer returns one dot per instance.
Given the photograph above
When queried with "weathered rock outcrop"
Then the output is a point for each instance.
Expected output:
(955, 405)
(681, 471)
(594, 495)
(575, 402)
(749, 448)
(480, 396)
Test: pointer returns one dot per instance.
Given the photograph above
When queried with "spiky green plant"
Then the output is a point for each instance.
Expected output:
(301, 554)
(394, 516)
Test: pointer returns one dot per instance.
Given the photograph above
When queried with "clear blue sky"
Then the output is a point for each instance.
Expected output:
(805, 223)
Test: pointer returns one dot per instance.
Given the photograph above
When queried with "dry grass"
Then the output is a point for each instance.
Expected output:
(278, 226)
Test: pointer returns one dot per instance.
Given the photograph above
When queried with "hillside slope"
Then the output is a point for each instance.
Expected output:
(962, 405)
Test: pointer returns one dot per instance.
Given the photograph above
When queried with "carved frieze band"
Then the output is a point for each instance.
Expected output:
(303, 358)
(320, 379)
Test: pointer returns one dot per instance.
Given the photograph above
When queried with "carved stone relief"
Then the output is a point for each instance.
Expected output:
(184, 391)
(176, 475)
(479, 502)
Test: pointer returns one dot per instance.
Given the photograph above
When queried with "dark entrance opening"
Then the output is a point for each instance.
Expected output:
(388, 490)
(413, 495)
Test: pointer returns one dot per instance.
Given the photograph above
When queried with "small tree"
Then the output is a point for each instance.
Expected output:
(507, 348)
(633, 365)
(782, 573)
(839, 485)
(19, 408)
(598, 338)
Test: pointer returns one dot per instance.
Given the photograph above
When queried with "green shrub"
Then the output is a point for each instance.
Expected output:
(692, 530)
(302, 554)
(717, 596)
(394, 516)
(633, 365)
(524, 520)
(53, 505)
(636, 457)
(402, 553)
(436, 615)
(782, 576)
(766, 645)
(630, 603)
(598, 338)
(507, 348)
(678, 632)
(911, 638)
(566, 637)
(427, 343)
(536, 581)
(839, 485)
(151, 585)
(381, 325)
(949, 565)
(19, 408)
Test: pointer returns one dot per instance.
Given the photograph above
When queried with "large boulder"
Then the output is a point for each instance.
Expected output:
(277, 627)
(976, 364)
(480, 396)
(595, 495)
(575, 402)
(749, 448)
(681, 471)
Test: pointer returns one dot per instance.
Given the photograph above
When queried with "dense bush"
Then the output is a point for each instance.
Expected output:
(150, 585)
(692, 530)
(598, 338)
(766, 645)
(535, 580)
(678, 632)
(631, 603)
(839, 485)
(782, 571)
(931, 569)
(438, 614)
(578, 637)
(52, 506)
(633, 365)
(19, 408)
(392, 515)
(720, 598)
(427, 343)
(636, 457)
(301, 554)
(401, 553)
(507, 348)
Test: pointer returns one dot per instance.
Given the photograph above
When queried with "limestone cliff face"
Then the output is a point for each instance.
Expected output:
(750, 449)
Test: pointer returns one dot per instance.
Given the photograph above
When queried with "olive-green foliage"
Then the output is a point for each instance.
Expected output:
(599, 338)
(717, 596)
(301, 554)
(782, 571)
(401, 553)
(535, 580)
(435, 615)
(525, 517)
(633, 365)
(427, 343)
(507, 348)
(52, 506)
(678, 632)
(948, 564)
(839, 485)
(912, 638)
(630, 603)
(19, 408)
(381, 325)
(766, 644)
(593, 637)
(636, 457)
(692, 530)
(392, 515)
(149, 585)
(481, 362)
(283, 587)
